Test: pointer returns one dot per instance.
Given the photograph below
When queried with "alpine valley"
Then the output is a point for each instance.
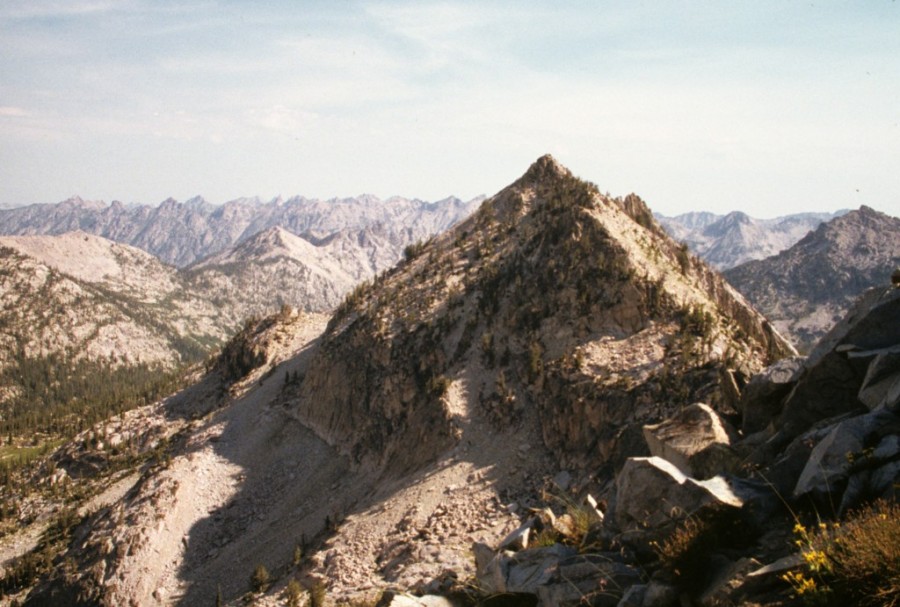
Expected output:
(546, 400)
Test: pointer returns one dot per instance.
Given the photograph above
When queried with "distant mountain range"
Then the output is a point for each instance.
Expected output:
(75, 294)
(81, 293)
(725, 241)
(808, 287)
(250, 257)
(181, 233)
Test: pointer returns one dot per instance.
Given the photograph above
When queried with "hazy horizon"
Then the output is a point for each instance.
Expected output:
(764, 107)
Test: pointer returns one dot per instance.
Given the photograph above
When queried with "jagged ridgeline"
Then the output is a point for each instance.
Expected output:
(553, 303)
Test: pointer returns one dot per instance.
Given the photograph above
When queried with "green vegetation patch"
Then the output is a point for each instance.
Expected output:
(60, 395)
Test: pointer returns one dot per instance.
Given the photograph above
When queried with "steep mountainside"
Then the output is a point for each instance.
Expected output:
(540, 334)
(85, 324)
(102, 299)
(809, 287)
(183, 233)
(729, 240)
(546, 274)
(86, 299)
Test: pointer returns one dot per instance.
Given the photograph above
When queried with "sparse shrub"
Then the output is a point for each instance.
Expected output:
(856, 562)
(285, 312)
(697, 321)
(582, 518)
(535, 362)
(27, 568)
(487, 349)
(293, 592)
(438, 385)
(260, 579)
(573, 526)
(501, 385)
(684, 258)
(241, 354)
(317, 595)
(544, 538)
(686, 552)
(413, 250)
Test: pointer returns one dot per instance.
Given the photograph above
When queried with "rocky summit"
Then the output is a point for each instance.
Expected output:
(552, 403)
(807, 288)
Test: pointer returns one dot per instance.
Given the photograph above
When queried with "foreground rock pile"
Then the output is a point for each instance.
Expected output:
(806, 455)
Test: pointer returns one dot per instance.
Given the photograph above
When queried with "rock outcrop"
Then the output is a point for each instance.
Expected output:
(714, 537)
(696, 440)
(653, 493)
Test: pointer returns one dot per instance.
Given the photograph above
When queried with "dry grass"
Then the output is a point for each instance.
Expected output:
(860, 558)
(854, 562)
(685, 554)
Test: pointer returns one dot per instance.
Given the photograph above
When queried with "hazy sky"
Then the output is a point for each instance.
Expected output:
(768, 107)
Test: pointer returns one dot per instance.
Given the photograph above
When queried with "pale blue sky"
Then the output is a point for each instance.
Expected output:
(767, 107)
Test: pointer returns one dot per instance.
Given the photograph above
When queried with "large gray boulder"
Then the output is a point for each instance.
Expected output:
(696, 440)
(834, 373)
(524, 571)
(869, 484)
(390, 599)
(652, 594)
(585, 579)
(652, 494)
(862, 443)
(870, 325)
(763, 396)
(557, 575)
(881, 385)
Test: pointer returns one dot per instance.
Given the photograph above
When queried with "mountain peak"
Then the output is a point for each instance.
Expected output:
(275, 236)
(804, 289)
(269, 241)
(863, 218)
(737, 217)
(547, 268)
(546, 167)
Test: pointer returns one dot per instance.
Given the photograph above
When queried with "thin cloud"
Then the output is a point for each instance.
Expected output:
(35, 9)
(14, 112)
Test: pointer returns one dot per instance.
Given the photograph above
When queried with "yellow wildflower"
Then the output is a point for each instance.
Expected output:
(808, 585)
(816, 559)
(799, 582)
